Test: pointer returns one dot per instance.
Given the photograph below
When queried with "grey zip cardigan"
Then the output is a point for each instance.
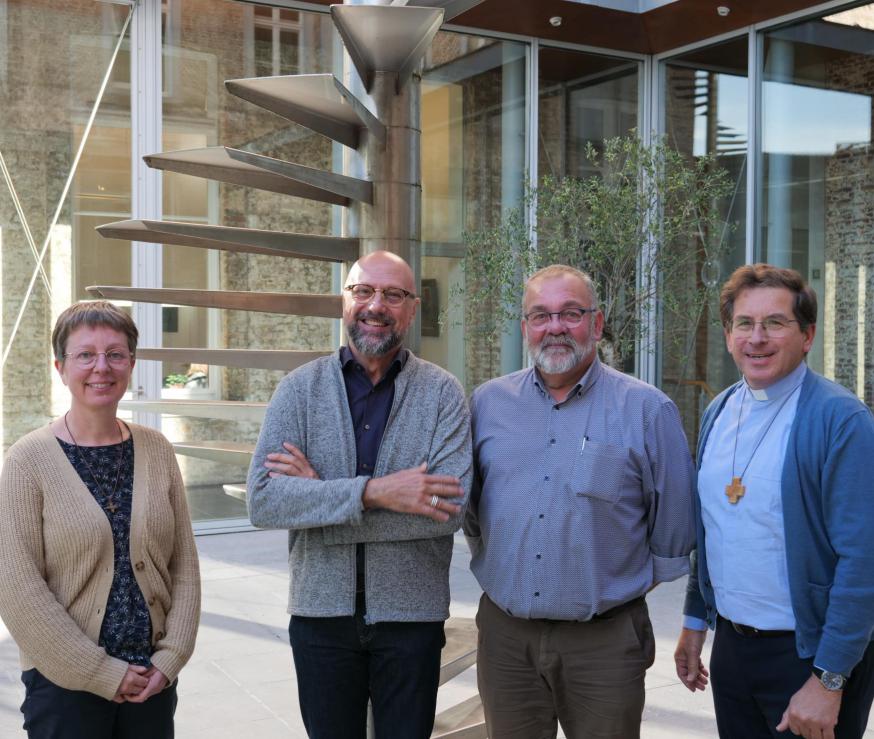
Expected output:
(407, 556)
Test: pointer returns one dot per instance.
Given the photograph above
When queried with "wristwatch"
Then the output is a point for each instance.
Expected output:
(830, 680)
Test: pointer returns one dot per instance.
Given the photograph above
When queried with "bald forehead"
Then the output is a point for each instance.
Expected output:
(539, 290)
(382, 269)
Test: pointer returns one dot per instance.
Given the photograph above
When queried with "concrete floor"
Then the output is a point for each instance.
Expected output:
(240, 683)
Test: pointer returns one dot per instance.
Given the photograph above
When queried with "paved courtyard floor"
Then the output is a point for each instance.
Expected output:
(240, 683)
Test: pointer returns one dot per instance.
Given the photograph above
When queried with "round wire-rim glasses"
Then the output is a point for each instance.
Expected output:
(116, 358)
(362, 293)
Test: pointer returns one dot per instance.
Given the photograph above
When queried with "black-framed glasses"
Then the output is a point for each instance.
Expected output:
(772, 325)
(569, 317)
(394, 296)
(117, 358)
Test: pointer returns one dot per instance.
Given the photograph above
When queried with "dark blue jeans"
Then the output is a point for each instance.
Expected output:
(343, 662)
(52, 712)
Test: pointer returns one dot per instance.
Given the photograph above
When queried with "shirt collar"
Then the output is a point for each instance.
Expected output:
(346, 357)
(781, 387)
(586, 381)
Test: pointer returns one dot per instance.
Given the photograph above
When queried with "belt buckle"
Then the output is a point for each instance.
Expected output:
(744, 630)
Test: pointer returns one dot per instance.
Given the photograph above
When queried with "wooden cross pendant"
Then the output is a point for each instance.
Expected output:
(735, 491)
(112, 507)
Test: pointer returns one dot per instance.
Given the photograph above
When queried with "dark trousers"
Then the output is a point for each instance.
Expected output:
(343, 662)
(51, 712)
(753, 679)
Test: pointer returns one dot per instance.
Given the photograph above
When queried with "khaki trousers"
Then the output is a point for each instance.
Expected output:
(587, 676)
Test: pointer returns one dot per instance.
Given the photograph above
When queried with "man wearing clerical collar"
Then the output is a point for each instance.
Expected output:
(785, 560)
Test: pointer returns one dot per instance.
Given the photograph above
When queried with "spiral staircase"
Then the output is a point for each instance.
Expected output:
(372, 109)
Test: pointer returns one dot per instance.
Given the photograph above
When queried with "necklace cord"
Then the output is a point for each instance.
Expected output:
(109, 504)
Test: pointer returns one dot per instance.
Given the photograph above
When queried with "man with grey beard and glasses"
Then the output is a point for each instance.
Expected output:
(582, 503)
(364, 456)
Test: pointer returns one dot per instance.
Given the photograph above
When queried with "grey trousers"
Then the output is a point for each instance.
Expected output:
(587, 676)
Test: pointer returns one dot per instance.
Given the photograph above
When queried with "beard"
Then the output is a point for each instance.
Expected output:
(557, 363)
(372, 346)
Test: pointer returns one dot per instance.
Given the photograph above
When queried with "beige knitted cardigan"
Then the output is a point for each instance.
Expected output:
(57, 561)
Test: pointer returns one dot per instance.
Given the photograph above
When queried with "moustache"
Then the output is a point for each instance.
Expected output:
(557, 341)
(368, 315)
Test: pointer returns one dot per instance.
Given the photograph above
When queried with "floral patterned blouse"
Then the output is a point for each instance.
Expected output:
(126, 632)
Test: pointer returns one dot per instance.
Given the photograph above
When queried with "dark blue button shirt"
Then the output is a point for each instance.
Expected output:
(369, 406)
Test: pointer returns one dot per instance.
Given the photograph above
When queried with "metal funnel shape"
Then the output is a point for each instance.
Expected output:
(386, 38)
(317, 101)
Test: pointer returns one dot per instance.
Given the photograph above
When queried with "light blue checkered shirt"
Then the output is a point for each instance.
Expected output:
(578, 506)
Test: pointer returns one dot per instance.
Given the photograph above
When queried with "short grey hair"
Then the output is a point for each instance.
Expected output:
(558, 270)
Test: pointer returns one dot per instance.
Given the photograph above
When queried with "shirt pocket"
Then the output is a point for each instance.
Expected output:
(598, 471)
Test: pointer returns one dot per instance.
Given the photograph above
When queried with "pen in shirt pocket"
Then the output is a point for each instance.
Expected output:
(583, 445)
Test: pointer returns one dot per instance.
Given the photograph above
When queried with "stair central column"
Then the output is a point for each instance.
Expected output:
(393, 222)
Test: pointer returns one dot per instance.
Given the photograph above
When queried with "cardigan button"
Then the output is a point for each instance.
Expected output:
(140, 565)
(152, 601)
(159, 636)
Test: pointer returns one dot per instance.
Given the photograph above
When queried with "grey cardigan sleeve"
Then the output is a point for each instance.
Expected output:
(445, 446)
(295, 502)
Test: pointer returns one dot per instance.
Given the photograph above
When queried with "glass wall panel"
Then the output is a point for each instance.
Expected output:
(64, 169)
(206, 42)
(584, 99)
(818, 179)
(473, 164)
(706, 113)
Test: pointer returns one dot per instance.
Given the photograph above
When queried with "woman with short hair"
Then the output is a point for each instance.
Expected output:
(99, 580)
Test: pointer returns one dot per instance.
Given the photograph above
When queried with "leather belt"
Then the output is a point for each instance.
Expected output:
(751, 632)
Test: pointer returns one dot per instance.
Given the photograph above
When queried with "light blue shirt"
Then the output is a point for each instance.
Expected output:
(578, 506)
(746, 542)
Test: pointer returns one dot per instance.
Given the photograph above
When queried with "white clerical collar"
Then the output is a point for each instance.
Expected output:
(781, 387)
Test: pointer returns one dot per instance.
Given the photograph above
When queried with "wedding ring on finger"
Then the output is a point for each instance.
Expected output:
(434, 501)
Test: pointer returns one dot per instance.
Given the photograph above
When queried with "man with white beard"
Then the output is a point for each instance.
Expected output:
(582, 503)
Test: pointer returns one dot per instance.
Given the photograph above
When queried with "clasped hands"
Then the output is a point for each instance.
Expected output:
(139, 684)
(411, 490)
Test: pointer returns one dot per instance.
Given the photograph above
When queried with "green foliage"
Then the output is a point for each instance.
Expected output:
(647, 218)
(175, 380)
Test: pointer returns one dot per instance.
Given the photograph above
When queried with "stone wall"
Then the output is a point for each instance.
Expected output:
(45, 95)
